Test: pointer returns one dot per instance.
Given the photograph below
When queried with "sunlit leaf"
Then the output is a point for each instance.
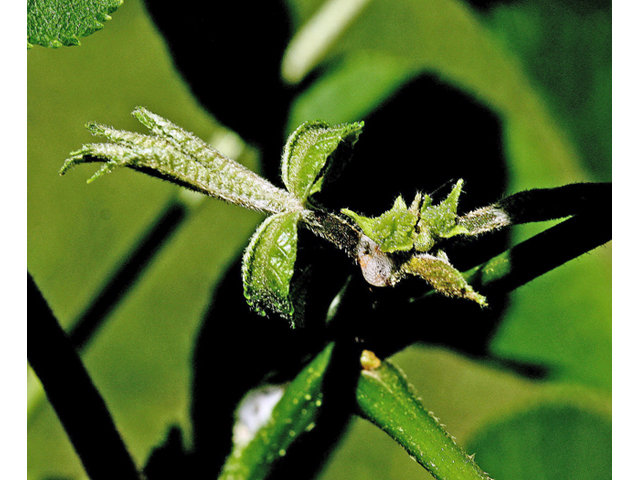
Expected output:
(310, 153)
(56, 23)
(393, 230)
(439, 221)
(418, 226)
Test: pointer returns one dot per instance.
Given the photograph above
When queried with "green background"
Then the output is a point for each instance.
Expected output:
(543, 67)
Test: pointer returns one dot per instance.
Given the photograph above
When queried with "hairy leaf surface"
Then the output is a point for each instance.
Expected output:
(56, 23)
(440, 221)
(442, 276)
(267, 265)
(393, 230)
(310, 153)
(177, 155)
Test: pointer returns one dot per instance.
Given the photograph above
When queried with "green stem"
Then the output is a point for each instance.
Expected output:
(386, 399)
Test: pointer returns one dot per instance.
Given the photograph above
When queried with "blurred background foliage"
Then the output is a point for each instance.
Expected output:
(506, 94)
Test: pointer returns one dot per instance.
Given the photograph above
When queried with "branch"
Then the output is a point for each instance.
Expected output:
(75, 399)
(540, 205)
(540, 254)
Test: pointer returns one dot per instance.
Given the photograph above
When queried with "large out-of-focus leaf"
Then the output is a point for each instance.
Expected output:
(351, 89)
(563, 319)
(56, 23)
(550, 442)
(565, 49)
(446, 38)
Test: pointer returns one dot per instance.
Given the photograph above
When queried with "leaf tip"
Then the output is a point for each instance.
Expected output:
(94, 128)
(68, 164)
(104, 169)
(474, 296)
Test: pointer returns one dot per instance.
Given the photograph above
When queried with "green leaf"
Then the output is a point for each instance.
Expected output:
(179, 156)
(267, 266)
(442, 276)
(386, 399)
(57, 23)
(294, 415)
(421, 227)
(440, 221)
(551, 442)
(393, 230)
(316, 152)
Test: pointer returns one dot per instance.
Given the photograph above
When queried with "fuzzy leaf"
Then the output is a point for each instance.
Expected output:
(393, 230)
(57, 23)
(439, 221)
(176, 155)
(310, 153)
(442, 276)
(267, 265)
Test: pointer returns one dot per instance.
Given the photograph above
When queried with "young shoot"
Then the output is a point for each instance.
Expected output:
(404, 241)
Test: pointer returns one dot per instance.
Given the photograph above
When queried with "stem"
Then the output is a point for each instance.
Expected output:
(334, 229)
(75, 399)
(386, 399)
(541, 204)
(540, 254)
